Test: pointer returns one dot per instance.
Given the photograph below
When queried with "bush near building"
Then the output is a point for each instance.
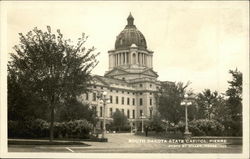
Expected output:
(40, 129)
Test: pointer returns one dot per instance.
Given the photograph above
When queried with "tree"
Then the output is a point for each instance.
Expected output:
(234, 101)
(75, 110)
(119, 120)
(51, 68)
(169, 98)
(207, 102)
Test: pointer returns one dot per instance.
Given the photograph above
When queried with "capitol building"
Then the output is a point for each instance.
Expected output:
(130, 83)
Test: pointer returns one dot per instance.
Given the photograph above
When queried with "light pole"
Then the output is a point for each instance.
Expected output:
(103, 98)
(186, 102)
(142, 117)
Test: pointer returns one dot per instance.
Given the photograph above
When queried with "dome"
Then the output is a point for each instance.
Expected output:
(130, 35)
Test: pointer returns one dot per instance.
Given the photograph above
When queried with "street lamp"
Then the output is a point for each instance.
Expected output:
(105, 100)
(142, 117)
(186, 102)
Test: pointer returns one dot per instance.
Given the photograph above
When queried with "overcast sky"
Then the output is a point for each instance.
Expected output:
(192, 41)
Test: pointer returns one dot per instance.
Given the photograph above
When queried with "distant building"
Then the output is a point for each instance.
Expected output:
(130, 82)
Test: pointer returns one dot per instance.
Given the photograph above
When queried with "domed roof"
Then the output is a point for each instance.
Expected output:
(130, 35)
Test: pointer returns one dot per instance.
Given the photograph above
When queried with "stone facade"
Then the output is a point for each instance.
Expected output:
(130, 82)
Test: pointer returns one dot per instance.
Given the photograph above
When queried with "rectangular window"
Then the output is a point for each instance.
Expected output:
(141, 102)
(117, 100)
(128, 114)
(133, 101)
(100, 111)
(141, 112)
(151, 113)
(133, 114)
(150, 101)
(94, 96)
(110, 112)
(128, 101)
(87, 96)
(122, 100)
(111, 99)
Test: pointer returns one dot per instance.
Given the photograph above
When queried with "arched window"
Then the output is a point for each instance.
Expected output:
(134, 58)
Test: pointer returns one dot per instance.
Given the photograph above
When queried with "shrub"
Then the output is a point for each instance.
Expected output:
(40, 128)
(203, 127)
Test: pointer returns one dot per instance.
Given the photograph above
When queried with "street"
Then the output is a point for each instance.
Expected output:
(129, 143)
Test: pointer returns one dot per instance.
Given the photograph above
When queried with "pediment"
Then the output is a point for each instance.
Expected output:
(99, 81)
(115, 72)
(150, 72)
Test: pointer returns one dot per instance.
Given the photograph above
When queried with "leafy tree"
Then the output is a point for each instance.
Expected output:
(234, 101)
(156, 123)
(169, 99)
(51, 68)
(75, 110)
(207, 102)
(119, 120)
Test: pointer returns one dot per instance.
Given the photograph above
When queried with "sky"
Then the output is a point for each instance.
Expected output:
(192, 41)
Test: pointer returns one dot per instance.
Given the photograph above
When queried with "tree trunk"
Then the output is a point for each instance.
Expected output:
(52, 114)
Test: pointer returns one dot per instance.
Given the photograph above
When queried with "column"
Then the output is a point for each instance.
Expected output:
(151, 60)
(115, 59)
(139, 58)
(125, 56)
(143, 59)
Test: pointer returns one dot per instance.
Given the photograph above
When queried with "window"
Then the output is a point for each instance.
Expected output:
(117, 91)
(150, 93)
(87, 96)
(128, 92)
(111, 99)
(123, 111)
(110, 112)
(133, 93)
(150, 101)
(122, 100)
(128, 101)
(122, 92)
(141, 102)
(94, 96)
(150, 85)
(100, 111)
(116, 110)
(133, 101)
(128, 114)
(151, 113)
(141, 93)
(117, 100)
(101, 87)
(133, 114)
(140, 85)
(111, 90)
(141, 112)
(94, 86)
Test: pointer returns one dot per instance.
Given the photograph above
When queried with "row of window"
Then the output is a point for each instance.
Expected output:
(122, 110)
(117, 100)
(141, 85)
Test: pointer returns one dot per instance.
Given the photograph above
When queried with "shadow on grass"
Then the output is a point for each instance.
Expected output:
(44, 142)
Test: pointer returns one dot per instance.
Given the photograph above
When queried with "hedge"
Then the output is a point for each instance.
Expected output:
(203, 127)
(39, 128)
